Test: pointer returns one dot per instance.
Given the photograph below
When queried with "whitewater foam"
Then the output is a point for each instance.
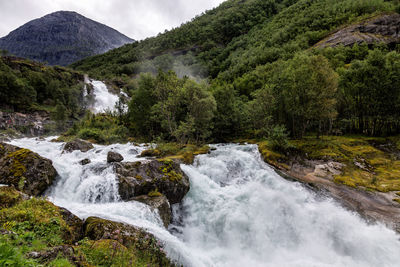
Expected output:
(238, 212)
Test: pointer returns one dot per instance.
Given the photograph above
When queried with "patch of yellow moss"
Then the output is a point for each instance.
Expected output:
(18, 158)
(274, 158)
(182, 152)
(168, 170)
(154, 193)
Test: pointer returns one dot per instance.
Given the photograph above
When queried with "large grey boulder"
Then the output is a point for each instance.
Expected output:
(141, 178)
(114, 157)
(78, 144)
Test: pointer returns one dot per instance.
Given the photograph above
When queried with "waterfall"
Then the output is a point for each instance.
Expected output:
(238, 212)
(104, 100)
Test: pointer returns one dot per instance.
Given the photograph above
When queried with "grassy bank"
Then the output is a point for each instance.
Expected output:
(371, 163)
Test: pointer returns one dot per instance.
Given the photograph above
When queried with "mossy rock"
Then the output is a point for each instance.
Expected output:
(25, 170)
(144, 246)
(164, 175)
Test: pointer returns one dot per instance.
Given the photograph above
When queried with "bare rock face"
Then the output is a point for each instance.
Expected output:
(61, 38)
(381, 29)
(25, 170)
(159, 203)
(163, 176)
(114, 157)
(78, 144)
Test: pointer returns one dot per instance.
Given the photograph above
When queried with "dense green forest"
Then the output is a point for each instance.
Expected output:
(30, 86)
(257, 69)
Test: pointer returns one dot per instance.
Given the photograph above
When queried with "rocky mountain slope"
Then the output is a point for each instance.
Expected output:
(61, 38)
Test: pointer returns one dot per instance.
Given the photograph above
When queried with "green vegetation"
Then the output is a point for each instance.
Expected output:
(30, 86)
(263, 70)
(101, 129)
(36, 225)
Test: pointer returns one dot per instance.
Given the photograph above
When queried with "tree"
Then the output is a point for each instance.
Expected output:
(309, 91)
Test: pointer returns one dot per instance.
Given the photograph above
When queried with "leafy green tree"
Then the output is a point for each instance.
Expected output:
(309, 91)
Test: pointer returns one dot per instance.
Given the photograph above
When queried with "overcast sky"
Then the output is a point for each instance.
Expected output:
(137, 19)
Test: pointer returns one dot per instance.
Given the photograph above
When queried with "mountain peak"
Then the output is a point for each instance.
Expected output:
(61, 38)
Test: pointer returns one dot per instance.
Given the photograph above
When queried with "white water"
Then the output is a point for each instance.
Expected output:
(238, 212)
(104, 100)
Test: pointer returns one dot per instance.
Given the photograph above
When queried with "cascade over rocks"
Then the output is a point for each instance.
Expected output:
(114, 157)
(163, 176)
(159, 203)
(78, 144)
(25, 170)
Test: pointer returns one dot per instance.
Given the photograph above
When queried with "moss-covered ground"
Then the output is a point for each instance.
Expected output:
(370, 162)
(176, 151)
(36, 225)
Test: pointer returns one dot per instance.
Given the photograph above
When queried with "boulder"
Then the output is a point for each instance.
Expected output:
(78, 144)
(164, 176)
(25, 170)
(114, 157)
(130, 236)
(159, 203)
(74, 223)
(85, 162)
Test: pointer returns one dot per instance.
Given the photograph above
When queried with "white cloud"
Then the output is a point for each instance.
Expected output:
(137, 19)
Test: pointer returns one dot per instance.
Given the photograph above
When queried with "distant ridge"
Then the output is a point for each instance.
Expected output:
(61, 38)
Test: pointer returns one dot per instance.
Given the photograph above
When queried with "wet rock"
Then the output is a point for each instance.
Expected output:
(381, 29)
(85, 162)
(25, 170)
(114, 157)
(159, 203)
(75, 225)
(9, 197)
(78, 144)
(164, 176)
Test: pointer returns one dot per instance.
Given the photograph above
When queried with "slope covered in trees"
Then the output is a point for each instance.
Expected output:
(27, 86)
(261, 70)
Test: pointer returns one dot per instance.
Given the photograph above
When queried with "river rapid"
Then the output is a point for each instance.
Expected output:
(238, 212)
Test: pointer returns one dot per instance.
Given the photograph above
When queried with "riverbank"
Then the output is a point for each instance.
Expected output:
(362, 173)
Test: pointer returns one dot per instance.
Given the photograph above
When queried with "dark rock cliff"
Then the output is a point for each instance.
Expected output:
(381, 29)
(61, 38)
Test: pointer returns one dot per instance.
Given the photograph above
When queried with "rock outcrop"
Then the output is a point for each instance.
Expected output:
(381, 29)
(25, 170)
(29, 124)
(159, 203)
(163, 176)
(78, 144)
(114, 157)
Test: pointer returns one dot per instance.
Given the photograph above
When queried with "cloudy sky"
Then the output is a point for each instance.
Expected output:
(137, 19)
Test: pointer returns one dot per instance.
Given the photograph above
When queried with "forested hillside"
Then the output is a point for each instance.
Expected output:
(261, 68)
(27, 86)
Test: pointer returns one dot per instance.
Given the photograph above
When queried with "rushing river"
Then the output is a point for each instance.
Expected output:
(238, 212)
